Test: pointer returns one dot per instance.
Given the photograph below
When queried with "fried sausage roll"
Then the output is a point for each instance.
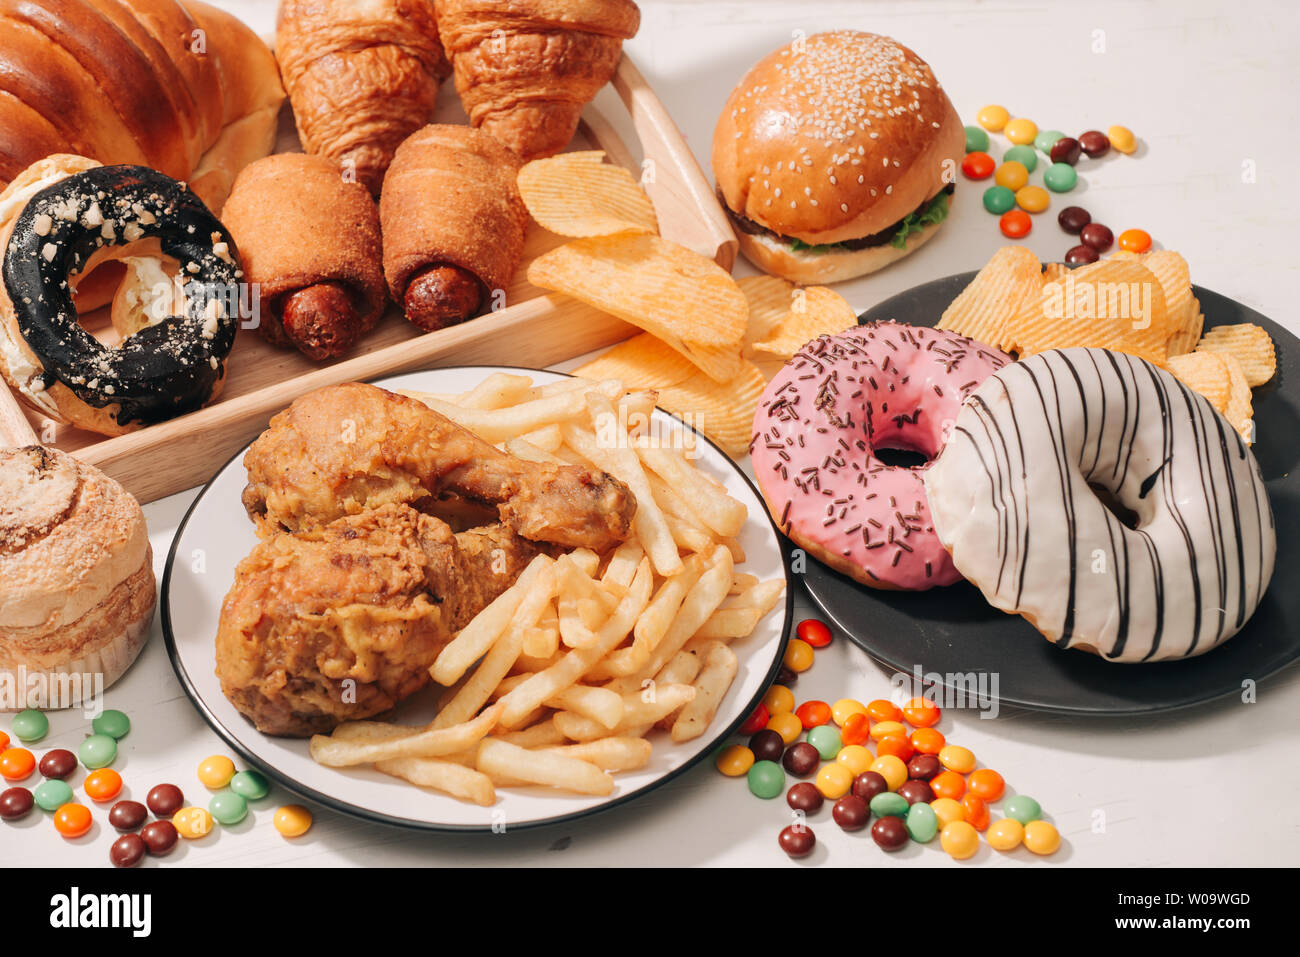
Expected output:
(453, 224)
(310, 240)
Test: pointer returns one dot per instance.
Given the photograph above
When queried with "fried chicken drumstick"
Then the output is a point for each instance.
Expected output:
(345, 448)
(342, 621)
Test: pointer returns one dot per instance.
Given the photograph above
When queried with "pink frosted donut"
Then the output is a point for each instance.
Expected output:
(882, 385)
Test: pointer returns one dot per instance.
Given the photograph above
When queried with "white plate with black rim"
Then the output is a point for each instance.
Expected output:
(217, 530)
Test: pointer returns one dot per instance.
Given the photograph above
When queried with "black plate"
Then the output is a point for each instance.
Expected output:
(954, 631)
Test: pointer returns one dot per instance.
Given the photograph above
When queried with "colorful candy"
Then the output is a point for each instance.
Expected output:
(798, 655)
(192, 823)
(97, 751)
(1026, 156)
(50, 795)
(797, 840)
(778, 700)
(922, 823)
(975, 811)
(127, 851)
(1081, 255)
(127, 815)
(1022, 808)
(1005, 834)
(856, 758)
(228, 807)
(986, 784)
(17, 764)
(1020, 131)
(921, 713)
(767, 745)
(1060, 178)
(1033, 199)
(160, 837)
(59, 763)
(165, 800)
(914, 791)
(887, 803)
(757, 719)
(947, 810)
(115, 724)
(102, 785)
(923, 767)
(927, 740)
(856, 729)
(73, 820)
(15, 803)
(1135, 240)
(897, 745)
(1015, 224)
(1097, 236)
(1046, 139)
(834, 781)
(801, 759)
(734, 761)
(977, 141)
(1095, 143)
(1121, 137)
(992, 117)
(882, 709)
(956, 758)
(882, 729)
(960, 840)
(30, 725)
(1065, 150)
(851, 813)
(4, 741)
(826, 739)
(842, 709)
(889, 833)
(766, 779)
(948, 784)
(1073, 218)
(805, 797)
(978, 166)
(787, 725)
(892, 769)
(868, 784)
(813, 632)
(1041, 837)
(812, 714)
(1012, 175)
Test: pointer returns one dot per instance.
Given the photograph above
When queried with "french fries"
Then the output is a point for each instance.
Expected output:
(558, 681)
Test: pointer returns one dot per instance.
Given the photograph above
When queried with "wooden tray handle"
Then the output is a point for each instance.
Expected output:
(686, 205)
(15, 430)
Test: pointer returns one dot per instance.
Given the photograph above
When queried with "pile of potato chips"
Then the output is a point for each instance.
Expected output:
(708, 339)
(1141, 304)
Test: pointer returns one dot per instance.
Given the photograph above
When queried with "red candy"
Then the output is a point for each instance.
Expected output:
(812, 714)
(756, 721)
(1015, 224)
(978, 165)
(815, 632)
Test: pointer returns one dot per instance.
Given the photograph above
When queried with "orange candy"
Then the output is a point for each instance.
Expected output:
(897, 745)
(1135, 240)
(921, 713)
(1015, 224)
(4, 741)
(73, 820)
(856, 730)
(812, 714)
(882, 710)
(975, 811)
(928, 740)
(986, 784)
(16, 764)
(948, 784)
(103, 785)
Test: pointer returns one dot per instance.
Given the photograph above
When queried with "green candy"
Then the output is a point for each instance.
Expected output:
(766, 779)
(52, 794)
(31, 725)
(826, 739)
(115, 724)
(1046, 139)
(250, 785)
(1060, 177)
(1022, 154)
(228, 807)
(998, 199)
(1022, 808)
(922, 823)
(889, 804)
(97, 751)
(977, 141)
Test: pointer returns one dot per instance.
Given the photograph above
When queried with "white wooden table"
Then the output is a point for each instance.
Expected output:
(1208, 91)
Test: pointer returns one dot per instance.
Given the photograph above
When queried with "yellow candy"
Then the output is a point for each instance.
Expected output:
(992, 117)
(882, 728)
(798, 655)
(779, 699)
(1033, 199)
(856, 758)
(834, 780)
(735, 761)
(292, 820)
(1006, 834)
(1041, 837)
(192, 822)
(892, 769)
(1122, 138)
(216, 771)
(787, 725)
(956, 758)
(1020, 131)
(947, 810)
(960, 840)
(1012, 175)
(842, 709)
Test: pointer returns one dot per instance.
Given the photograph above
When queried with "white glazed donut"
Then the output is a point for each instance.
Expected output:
(1012, 497)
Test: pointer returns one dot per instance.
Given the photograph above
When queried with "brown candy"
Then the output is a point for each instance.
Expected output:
(1073, 218)
(922, 767)
(916, 792)
(851, 812)
(767, 745)
(798, 840)
(889, 832)
(1066, 150)
(1095, 143)
(165, 800)
(1097, 236)
(805, 797)
(15, 803)
(868, 784)
(127, 815)
(159, 837)
(1081, 255)
(58, 764)
(801, 759)
(127, 851)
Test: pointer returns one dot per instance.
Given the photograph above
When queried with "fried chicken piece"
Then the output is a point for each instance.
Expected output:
(342, 621)
(345, 448)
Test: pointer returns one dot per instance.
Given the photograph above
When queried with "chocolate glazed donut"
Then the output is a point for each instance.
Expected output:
(164, 370)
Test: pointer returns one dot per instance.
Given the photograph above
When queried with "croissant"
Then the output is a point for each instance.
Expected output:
(362, 76)
(175, 85)
(526, 68)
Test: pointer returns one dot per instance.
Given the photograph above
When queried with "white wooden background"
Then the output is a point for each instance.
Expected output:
(1209, 88)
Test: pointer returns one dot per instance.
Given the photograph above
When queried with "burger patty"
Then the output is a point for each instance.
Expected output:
(882, 238)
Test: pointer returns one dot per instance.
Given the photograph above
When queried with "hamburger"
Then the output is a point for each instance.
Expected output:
(835, 156)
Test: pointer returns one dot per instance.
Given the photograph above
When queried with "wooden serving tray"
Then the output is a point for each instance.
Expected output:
(537, 329)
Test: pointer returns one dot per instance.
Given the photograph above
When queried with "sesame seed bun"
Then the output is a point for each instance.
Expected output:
(831, 139)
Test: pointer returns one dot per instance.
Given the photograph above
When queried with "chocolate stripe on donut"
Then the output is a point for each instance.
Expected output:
(1205, 539)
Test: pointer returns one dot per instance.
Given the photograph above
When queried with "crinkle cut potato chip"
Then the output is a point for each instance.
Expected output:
(1009, 282)
(1251, 345)
(1111, 304)
(769, 301)
(1206, 373)
(688, 301)
(814, 311)
(1175, 278)
(722, 411)
(1239, 411)
(580, 195)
